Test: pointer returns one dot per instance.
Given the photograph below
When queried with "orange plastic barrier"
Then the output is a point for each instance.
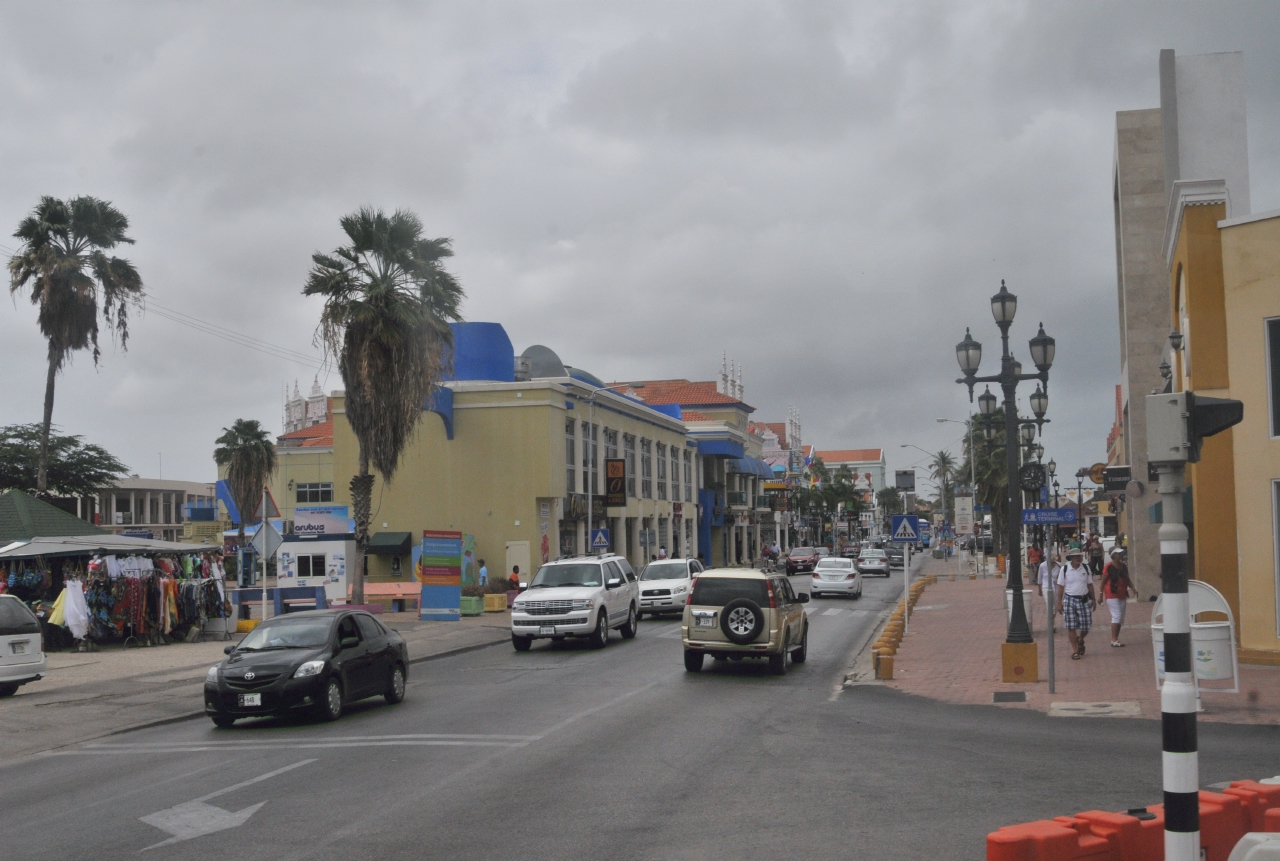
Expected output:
(1099, 835)
(1061, 839)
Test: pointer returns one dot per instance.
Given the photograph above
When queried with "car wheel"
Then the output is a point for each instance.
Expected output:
(8, 690)
(741, 621)
(223, 722)
(640, 616)
(331, 705)
(600, 637)
(633, 624)
(522, 644)
(801, 653)
(395, 693)
(693, 661)
(778, 662)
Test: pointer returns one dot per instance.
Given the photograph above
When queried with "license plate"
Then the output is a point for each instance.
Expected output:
(18, 648)
(706, 622)
(247, 700)
(547, 629)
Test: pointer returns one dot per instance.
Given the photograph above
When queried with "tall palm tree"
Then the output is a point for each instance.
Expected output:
(388, 303)
(941, 470)
(247, 452)
(63, 260)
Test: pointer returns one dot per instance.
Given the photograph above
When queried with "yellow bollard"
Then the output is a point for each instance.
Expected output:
(884, 667)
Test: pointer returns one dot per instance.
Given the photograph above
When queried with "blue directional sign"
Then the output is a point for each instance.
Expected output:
(1050, 516)
(905, 529)
(599, 539)
(1044, 495)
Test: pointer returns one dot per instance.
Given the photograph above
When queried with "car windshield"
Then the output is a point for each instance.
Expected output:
(872, 554)
(718, 591)
(15, 618)
(665, 571)
(843, 564)
(287, 634)
(801, 551)
(551, 576)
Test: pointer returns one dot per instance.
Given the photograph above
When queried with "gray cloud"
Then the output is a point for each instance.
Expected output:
(828, 192)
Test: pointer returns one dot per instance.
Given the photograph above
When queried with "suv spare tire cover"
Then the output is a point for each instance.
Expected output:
(757, 616)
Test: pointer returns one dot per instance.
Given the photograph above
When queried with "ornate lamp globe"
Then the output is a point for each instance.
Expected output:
(1042, 349)
(969, 354)
(987, 402)
(1039, 402)
(1004, 305)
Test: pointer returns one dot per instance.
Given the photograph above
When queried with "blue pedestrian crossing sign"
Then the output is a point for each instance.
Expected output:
(599, 539)
(905, 529)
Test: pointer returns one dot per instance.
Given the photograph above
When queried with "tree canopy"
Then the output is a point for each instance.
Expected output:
(247, 452)
(76, 468)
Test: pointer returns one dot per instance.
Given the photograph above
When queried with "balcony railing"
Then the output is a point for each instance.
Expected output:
(763, 502)
(737, 497)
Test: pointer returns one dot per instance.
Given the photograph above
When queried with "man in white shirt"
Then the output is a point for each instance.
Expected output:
(1076, 600)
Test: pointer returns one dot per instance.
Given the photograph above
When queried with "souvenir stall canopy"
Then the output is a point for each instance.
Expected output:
(110, 588)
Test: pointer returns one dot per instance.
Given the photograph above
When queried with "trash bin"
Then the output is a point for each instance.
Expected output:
(1211, 642)
(1028, 602)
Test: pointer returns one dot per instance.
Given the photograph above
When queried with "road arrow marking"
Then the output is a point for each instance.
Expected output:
(195, 818)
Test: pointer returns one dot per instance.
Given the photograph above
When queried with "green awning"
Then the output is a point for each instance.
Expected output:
(390, 543)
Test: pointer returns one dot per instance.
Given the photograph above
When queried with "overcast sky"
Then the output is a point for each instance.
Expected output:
(826, 192)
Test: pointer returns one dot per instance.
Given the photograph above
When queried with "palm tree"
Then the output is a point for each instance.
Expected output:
(941, 469)
(388, 303)
(62, 259)
(245, 449)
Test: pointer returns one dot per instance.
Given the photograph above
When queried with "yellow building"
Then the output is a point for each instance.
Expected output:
(1224, 293)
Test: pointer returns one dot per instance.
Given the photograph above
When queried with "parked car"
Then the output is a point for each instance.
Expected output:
(823, 552)
(317, 660)
(896, 555)
(850, 551)
(836, 577)
(984, 544)
(665, 585)
(801, 559)
(873, 562)
(585, 596)
(21, 646)
(734, 614)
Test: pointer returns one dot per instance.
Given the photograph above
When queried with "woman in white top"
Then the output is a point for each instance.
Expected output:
(1075, 600)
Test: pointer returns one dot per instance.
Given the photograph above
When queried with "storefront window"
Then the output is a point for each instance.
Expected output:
(590, 455)
(610, 444)
(570, 475)
(675, 474)
(688, 476)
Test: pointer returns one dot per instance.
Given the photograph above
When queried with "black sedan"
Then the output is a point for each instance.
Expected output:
(315, 661)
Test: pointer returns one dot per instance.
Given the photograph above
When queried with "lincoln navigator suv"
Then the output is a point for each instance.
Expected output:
(585, 596)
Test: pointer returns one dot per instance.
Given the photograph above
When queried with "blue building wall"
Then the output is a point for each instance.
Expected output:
(482, 351)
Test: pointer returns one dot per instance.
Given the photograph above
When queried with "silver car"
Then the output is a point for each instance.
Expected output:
(836, 576)
(21, 648)
(873, 562)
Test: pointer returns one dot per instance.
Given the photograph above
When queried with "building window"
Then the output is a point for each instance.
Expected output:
(311, 565)
(688, 476)
(1275, 545)
(662, 471)
(675, 474)
(1273, 371)
(590, 456)
(611, 444)
(646, 468)
(629, 450)
(321, 491)
(570, 475)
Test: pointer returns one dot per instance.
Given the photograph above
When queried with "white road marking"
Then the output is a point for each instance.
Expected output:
(301, 743)
(195, 818)
(834, 611)
(1131, 708)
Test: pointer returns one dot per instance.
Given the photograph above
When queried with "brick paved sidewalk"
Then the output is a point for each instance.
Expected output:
(953, 653)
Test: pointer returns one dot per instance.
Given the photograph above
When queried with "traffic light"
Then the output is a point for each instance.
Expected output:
(1178, 422)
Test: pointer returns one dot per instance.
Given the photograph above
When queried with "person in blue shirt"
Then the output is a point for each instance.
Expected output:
(484, 574)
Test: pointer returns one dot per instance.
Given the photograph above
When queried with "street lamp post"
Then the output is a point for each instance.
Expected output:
(1080, 476)
(1004, 306)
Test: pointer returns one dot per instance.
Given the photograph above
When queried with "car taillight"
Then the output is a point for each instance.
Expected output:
(772, 603)
(689, 600)
(853, 576)
(816, 574)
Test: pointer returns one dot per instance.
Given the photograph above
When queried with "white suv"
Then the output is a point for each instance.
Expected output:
(585, 596)
(21, 654)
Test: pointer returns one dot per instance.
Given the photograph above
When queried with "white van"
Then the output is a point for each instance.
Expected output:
(21, 647)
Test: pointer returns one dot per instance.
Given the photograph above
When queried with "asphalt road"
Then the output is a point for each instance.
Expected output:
(565, 752)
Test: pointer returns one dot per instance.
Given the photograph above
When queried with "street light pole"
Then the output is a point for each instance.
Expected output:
(969, 355)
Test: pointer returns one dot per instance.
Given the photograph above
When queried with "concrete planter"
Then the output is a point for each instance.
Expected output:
(472, 606)
(495, 603)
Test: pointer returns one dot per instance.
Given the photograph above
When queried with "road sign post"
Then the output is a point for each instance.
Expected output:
(599, 540)
(905, 529)
(266, 540)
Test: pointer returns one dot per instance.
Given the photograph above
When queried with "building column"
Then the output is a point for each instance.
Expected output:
(633, 527)
(615, 533)
(133, 508)
(580, 538)
(758, 554)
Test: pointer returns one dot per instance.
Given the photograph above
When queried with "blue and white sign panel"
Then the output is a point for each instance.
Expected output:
(599, 539)
(1050, 516)
(905, 529)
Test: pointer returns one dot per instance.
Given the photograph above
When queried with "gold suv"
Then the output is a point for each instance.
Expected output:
(737, 613)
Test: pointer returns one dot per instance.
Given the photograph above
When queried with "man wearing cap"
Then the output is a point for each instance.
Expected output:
(1116, 587)
(1076, 600)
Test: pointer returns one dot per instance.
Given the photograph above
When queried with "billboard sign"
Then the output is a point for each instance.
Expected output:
(964, 515)
(314, 521)
(615, 482)
(440, 573)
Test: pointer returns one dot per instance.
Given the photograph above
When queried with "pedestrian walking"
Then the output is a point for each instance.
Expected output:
(1095, 555)
(1116, 587)
(1035, 556)
(662, 551)
(484, 574)
(1076, 600)
(513, 582)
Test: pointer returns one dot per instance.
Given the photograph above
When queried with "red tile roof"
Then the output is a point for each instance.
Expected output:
(779, 428)
(682, 392)
(321, 434)
(851, 455)
(694, 416)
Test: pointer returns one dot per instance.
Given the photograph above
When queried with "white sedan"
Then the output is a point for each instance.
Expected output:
(873, 562)
(836, 576)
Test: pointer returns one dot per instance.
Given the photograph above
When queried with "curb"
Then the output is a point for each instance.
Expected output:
(860, 669)
(461, 650)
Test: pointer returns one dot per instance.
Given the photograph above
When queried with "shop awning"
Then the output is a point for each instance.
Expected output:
(390, 543)
(749, 466)
(719, 448)
(106, 545)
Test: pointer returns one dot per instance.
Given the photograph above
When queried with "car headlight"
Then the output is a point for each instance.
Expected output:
(212, 676)
(518, 606)
(310, 668)
(679, 590)
(583, 603)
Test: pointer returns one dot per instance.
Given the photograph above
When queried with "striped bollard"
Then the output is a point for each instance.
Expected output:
(1178, 696)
